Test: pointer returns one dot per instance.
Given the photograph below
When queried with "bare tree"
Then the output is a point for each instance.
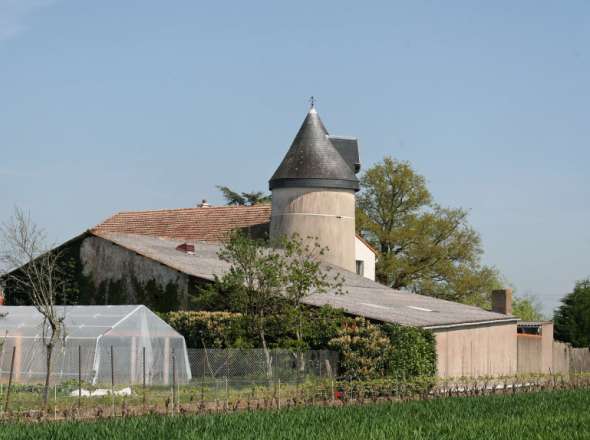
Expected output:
(33, 267)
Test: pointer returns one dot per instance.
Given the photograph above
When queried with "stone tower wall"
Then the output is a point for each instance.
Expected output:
(327, 214)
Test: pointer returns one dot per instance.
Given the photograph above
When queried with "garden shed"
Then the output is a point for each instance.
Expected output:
(101, 342)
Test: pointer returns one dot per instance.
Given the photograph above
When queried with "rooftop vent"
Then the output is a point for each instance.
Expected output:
(204, 204)
(187, 248)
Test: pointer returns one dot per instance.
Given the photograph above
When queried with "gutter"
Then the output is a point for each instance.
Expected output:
(467, 324)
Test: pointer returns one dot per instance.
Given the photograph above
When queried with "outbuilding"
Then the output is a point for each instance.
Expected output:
(162, 257)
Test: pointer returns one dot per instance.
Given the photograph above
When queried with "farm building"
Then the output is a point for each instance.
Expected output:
(159, 258)
(91, 334)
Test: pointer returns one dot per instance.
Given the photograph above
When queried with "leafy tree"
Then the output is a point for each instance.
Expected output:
(304, 275)
(267, 285)
(527, 308)
(423, 247)
(244, 198)
(572, 318)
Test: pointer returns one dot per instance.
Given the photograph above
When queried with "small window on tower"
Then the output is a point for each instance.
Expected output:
(360, 267)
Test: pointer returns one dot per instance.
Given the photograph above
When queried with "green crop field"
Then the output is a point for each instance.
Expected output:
(550, 414)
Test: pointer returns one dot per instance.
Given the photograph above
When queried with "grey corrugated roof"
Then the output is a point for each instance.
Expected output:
(363, 298)
(313, 161)
(375, 301)
(203, 264)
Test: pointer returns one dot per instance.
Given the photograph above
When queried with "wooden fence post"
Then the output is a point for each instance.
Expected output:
(143, 362)
(10, 380)
(79, 378)
(113, 380)
(174, 396)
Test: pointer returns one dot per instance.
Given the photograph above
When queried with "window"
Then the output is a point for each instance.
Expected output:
(360, 267)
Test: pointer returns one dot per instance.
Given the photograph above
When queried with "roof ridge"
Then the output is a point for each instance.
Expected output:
(208, 208)
(210, 224)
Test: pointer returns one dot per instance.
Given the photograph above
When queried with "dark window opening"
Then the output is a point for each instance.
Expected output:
(360, 267)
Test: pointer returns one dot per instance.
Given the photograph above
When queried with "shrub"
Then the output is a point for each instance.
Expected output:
(364, 349)
(413, 352)
(369, 351)
(211, 329)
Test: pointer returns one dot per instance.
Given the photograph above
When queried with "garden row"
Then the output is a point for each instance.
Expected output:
(224, 396)
(547, 414)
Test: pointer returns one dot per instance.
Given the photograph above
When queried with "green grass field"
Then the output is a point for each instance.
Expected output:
(542, 415)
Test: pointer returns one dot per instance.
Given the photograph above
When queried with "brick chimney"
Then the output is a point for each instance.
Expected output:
(502, 301)
(187, 248)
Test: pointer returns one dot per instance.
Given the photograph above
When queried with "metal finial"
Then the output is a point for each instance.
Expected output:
(311, 102)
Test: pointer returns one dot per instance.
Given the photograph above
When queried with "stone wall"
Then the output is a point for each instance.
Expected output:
(112, 274)
(327, 214)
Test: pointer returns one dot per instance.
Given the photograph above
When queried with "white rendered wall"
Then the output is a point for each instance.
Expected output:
(364, 253)
(327, 214)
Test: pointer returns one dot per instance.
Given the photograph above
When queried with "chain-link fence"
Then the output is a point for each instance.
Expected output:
(220, 379)
(259, 364)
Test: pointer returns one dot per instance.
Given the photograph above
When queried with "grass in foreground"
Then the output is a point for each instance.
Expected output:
(555, 414)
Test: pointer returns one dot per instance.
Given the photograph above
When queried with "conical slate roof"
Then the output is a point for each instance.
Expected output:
(313, 161)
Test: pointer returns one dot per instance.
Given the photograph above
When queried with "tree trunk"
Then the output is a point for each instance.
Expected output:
(47, 375)
(300, 353)
(266, 355)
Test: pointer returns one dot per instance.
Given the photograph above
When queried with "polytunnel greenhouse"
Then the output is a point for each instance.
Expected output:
(101, 343)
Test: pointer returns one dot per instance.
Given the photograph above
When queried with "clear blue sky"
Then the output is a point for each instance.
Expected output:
(124, 105)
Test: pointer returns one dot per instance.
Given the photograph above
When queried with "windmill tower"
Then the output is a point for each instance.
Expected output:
(313, 191)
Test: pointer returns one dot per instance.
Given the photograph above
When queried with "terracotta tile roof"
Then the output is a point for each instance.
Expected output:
(204, 224)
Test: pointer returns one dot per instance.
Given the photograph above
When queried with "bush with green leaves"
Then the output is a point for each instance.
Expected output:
(364, 349)
(210, 329)
(221, 329)
(413, 353)
(369, 351)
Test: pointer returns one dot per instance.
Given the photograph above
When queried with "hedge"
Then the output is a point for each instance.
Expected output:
(369, 351)
(209, 329)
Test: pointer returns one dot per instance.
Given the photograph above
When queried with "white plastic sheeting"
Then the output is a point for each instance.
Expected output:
(131, 331)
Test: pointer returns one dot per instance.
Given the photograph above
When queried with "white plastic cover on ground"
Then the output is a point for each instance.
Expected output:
(129, 330)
